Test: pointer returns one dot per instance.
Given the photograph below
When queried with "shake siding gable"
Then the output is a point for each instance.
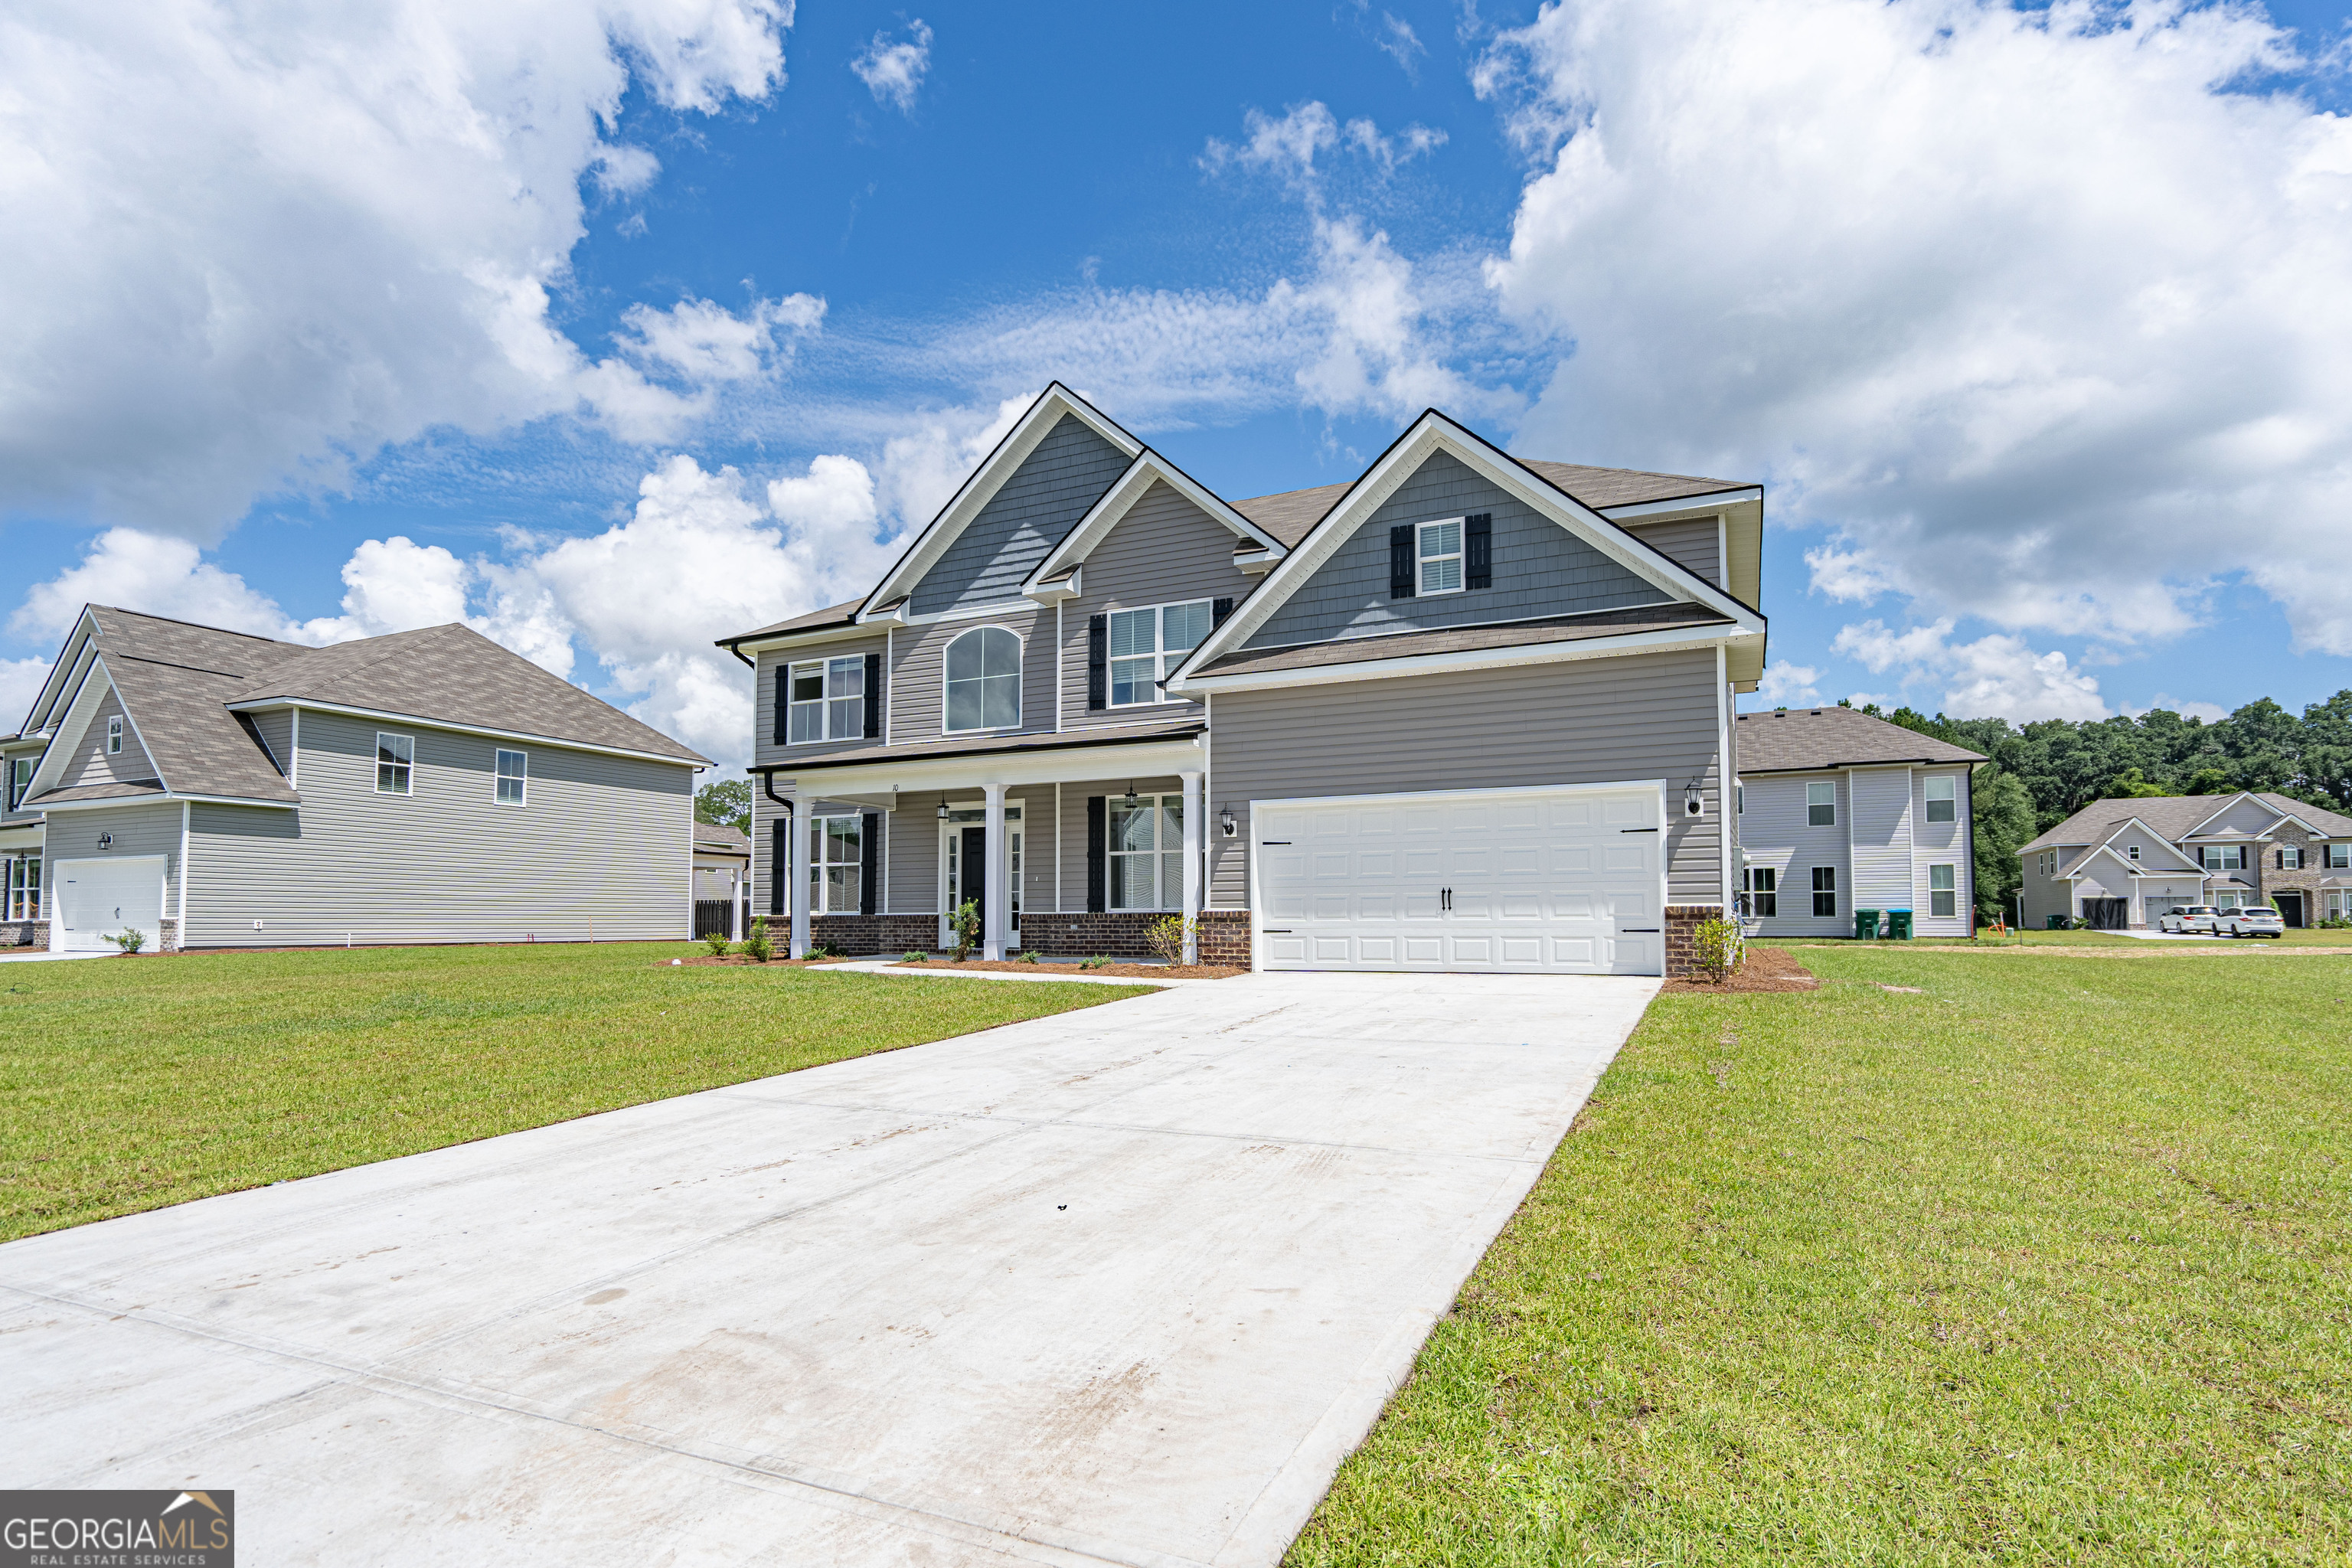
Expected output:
(918, 680)
(1642, 716)
(601, 848)
(1539, 569)
(1044, 498)
(92, 765)
(1696, 543)
(1165, 550)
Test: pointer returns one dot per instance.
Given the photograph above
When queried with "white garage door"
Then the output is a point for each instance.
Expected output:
(99, 898)
(1566, 881)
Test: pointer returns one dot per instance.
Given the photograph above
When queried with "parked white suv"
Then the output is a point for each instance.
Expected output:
(2254, 919)
(2193, 918)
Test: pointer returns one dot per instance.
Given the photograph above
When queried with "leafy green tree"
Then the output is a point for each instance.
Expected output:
(2208, 780)
(726, 803)
(2129, 785)
(2002, 817)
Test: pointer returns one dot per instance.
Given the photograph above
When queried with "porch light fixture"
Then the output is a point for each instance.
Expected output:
(1129, 800)
(1226, 823)
(943, 811)
(1693, 804)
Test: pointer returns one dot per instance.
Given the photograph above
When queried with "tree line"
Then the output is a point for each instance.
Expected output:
(2043, 772)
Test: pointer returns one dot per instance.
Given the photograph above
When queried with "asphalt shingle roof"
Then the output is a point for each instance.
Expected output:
(1291, 514)
(831, 615)
(1797, 739)
(1460, 640)
(2171, 816)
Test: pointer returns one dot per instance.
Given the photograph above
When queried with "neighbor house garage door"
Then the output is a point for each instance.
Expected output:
(94, 900)
(1568, 881)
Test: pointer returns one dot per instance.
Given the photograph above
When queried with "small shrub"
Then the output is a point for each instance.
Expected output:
(919, 958)
(1716, 945)
(758, 946)
(966, 926)
(131, 940)
(717, 942)
(2336, 923)
(823, 950)
(1167, 936)
(1030, 956)
(1097, 962)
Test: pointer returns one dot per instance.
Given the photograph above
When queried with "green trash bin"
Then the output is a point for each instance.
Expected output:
(2057, 922)
(1866, 925)
(1898, 925)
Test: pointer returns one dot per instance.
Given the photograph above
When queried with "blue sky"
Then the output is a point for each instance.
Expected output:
(2032, 336)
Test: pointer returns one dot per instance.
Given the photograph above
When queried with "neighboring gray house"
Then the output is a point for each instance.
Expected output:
(212, 789)
(1839, 812)
(2120, 863)
(1463, 711)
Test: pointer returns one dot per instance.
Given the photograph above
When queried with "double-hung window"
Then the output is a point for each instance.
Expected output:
(2223, 857)
(836, 863)
(514, 777)
(2290, 857)
(395, 758)
(827, 700)
(20, 779)
(1940, 798)
(1146, 852)
(1437, 547)
(1145, 645)
(2339, 856)
(983, 680)
(1825, 893)
(1762, 886)
(1943, 892)
(114, 736)
(1821, 805)
(21, 891)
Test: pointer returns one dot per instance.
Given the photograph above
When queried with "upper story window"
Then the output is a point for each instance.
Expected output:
(395, 757)
(20, 779)
(2290, 857)
(983, 680)
(114, 736)
(1821, 805)
(1438, 547)
(827, 700)
(514, 777)
(2339, 856)
(2132, 851)
(1145, 645)
(2223, 857)
(1940, 796)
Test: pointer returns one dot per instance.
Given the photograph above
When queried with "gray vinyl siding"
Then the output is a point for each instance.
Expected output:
(90, 764)
(1941, 844)
(919, 680)
(1164, 550)
(1775, 834)
(277, 729)
(771, 665)
(602, 845)
(135, 830)
(1880, 834)
(1695, 544)
(1647, 716)
(1541, 569)
(8, 760)
(1031, 511)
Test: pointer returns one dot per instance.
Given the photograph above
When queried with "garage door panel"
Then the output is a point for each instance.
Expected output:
(1623, 812)
(1429, 862)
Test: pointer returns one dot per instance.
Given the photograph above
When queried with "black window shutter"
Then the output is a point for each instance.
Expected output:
(1097, 662)
(1098, 854)
(872, 703)
(1478, 550)
(783, 698)
(869, 845)
(1218, 610)
(1401, 561)
(779, 859)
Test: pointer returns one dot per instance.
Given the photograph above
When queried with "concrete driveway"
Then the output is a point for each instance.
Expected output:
(1118, 1285)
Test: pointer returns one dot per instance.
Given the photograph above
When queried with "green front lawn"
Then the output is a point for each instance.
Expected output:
(2048, 1262)
(127, 1084)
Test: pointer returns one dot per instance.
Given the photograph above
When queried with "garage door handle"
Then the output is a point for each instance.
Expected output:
(1270, 843)
(1637, 830)
(1633, 930)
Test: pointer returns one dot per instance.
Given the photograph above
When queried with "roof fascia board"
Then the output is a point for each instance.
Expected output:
(1442, 663)
(813, 637)
(1693, 506)
(65, 675)
(1746, 772)
(418, 721)
(985, 481)
(1070, 764)
(1131, 487)
(1433, 433)
(168, 798)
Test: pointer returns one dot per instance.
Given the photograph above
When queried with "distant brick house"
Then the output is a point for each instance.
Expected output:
(2121, 863)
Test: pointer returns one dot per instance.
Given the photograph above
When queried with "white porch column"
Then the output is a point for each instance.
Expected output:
(1191, 868)
(997, 900)
(798, 874)
(743, 901)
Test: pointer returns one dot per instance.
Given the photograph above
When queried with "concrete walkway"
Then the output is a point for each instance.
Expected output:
(1118, 1285)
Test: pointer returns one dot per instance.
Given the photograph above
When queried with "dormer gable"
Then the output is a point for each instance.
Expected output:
(1246, 544)
(2243, 816)
(2156, 853)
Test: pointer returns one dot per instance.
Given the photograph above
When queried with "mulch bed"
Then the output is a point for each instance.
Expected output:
(1107, 970)
(1765, 969)
(737, 960)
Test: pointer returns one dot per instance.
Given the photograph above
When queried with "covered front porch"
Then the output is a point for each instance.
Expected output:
(1070, 843)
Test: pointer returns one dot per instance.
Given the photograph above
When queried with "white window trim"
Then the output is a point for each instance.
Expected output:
(1950, 797)
(1156, 855)
(498, 754)
(1952, 871)
(1163, 660)
(408, 767)
(817, 862)
(1814, 909)
(1753, 892)
(1810, 803)
(1460, 554)
(114, 734)
(823, 703)
(1020, 678)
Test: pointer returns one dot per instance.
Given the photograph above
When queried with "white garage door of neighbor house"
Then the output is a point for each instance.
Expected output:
(1558, 881)
(99, 898)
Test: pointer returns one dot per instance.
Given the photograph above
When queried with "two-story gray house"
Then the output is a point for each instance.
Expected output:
(2122, 863)
(1461, 712)
(211, 789)
(1839, 811)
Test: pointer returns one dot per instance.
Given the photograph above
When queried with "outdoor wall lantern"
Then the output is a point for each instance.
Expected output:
(943, 811)
(106, 841)
(1226, 823)
(1129, 800)
(1693, 804)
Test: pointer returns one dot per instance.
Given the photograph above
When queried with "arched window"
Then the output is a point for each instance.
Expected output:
(984, 679)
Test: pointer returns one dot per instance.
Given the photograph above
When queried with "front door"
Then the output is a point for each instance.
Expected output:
(2290, 909)
(963, 861)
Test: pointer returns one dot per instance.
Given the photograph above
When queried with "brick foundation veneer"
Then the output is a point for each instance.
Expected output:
(861, 935)
(1682, 940)
(25, 934)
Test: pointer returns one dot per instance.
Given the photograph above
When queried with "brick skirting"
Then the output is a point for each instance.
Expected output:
(861, 935)
(25, 934)
(1681, 937)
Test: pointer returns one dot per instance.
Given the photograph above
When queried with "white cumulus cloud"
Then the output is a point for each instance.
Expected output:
(893, 71)
(1786, 685)
(1985, 288)
(1995, 677)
